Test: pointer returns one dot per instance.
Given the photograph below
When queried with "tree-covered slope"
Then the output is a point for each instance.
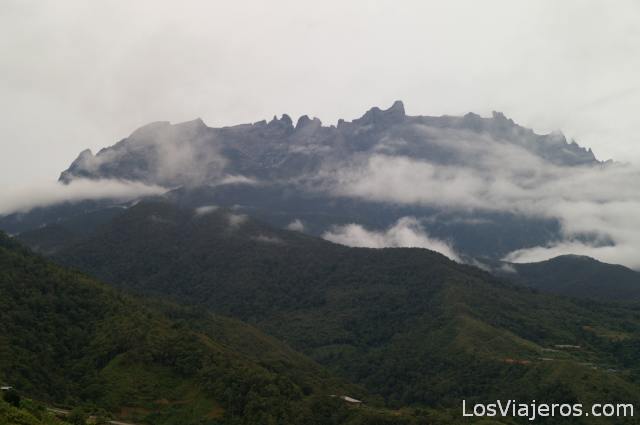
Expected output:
(68, 340)
(409, 324)
(577, 276)
(28, 413)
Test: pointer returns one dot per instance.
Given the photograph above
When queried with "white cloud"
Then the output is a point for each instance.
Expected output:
(237, 179)
(205, 209)
(14, 199)
(479, 264)
(236, 220)
(600, 201)
(406, 232)
(296, 225)
(508, 268)
(180, 154)
(269, 239)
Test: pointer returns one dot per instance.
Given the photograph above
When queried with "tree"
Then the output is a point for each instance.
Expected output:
(12, 397)
(101, 417)
(77, 417)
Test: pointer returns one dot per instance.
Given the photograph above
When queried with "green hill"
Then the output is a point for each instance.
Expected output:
(408, 324)
(69, 341)
(577, 276)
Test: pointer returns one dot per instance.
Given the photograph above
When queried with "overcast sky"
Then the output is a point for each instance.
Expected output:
(78, 74)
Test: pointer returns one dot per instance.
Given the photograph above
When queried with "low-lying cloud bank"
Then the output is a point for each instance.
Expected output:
(406, 232)
(20, 199)
(599, 203)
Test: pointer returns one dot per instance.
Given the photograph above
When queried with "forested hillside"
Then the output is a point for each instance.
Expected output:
(576, 276)
(408, 324)
(70, 341)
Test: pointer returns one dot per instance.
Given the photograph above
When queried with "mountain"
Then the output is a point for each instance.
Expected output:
(322, 176)
(225, 307)
(191, 153)
(408, 324)
(576, 276)
(69, 340)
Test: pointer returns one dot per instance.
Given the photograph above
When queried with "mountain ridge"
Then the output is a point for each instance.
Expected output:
(575, 276)
(196, 132)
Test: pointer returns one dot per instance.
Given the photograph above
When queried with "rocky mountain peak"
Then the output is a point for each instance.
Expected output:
(394, 115)
(165, 154)
(285, 122)
(304, 121)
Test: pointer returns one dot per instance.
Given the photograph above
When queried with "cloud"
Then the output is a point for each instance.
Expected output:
(185, 154)
(236, 220)
(406, 232)
(595, 203)
(20, 199)
(508, 268)
(269, 239)
(205, 209)
(296, 225)
(181, 154)
(479, 264)
(453, 168)
(160, 220)
(237, 179)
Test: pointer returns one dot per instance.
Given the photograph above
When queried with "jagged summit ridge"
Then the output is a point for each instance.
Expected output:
(392, 115)
(191, 153)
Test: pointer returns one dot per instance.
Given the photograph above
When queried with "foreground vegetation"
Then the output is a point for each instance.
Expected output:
(68, 340)
(27, 413)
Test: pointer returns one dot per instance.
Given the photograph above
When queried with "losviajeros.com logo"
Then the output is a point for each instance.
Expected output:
(534, 410)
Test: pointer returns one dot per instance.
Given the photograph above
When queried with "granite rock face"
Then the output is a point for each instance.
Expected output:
(191, 154)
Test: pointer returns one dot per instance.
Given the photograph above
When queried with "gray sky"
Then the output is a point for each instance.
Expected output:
(78, 74)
